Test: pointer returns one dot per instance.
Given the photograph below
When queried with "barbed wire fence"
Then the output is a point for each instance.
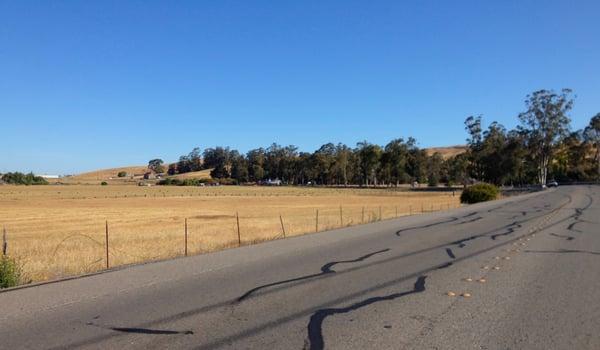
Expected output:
(325, 218)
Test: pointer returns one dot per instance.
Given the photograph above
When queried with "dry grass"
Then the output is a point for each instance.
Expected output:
(59, 230)
(202, 174)
(447, 152)
(106, 174)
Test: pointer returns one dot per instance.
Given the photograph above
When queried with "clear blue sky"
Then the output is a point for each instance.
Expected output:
(86, 85)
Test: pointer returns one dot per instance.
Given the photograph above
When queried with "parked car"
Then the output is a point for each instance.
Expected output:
(552, 183)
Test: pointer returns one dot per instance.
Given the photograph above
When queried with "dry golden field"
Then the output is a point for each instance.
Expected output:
(59, 230)
(447, 152)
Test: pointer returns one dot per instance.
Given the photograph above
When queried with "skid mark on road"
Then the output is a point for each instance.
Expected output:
(509, 230)
(563, 251)
(568, 238)
(325, 269)
(315, 326)
(136, 330)
(446, 221)
(452, 219)
(578, 213)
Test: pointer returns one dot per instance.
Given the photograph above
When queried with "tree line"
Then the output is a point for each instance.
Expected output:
(18, 178)
(541, 146)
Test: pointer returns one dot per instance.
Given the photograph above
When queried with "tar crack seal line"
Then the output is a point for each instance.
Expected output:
(325, 269)
(315, 326)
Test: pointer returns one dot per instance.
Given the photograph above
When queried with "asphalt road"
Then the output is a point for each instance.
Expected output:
(533, 263)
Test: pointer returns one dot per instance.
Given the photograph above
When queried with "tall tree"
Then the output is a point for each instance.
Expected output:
(393, 161)
(156, 165)
(369, 155)
(256, 164)
(545, 122)
(474, 142)
(239, 168)
(434, 168)
(592, 136)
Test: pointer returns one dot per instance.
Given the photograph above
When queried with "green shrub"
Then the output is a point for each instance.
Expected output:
(104, 183)
(433, 180)
(122, 174)
(481, 192)
(10, 272)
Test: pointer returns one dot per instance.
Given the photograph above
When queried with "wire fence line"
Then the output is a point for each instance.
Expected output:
(82, 253)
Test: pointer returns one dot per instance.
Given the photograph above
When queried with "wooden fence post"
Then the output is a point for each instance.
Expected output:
(282, 227)
(317, 221)
(186, 238)
(237, 219)
(380, 213)
(106, 236)
(396, 211)
(410, 210)
(4, 242)
(362, 221)
(422, 208)
(341, 218)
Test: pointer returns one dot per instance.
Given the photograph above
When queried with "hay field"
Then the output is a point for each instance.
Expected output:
(59, 230)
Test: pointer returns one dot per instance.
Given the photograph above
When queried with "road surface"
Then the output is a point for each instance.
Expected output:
(524, 271)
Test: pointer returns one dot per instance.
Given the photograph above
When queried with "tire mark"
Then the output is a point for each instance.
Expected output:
(315, 339)
(136, 330)
(578, 214)
(470, 221)
(523, 213)
(563, 251)
(510, 229)
(450, 253)
(452, 219)
(444, 266)
(325, 269)
(568, 238)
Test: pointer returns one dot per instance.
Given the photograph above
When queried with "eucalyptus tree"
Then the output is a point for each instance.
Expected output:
(592, 136)
(474, 143)
(256, 164)
(546, 123)
(342, 164)
(393, 161)
(156, 165)
(369, 156)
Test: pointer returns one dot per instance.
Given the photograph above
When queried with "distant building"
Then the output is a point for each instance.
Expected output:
(270, 182)
(46, 176)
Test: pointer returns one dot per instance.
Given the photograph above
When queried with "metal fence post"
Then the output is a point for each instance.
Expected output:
(4, 242)
(237, 219)
(186, 238)
(106, 236)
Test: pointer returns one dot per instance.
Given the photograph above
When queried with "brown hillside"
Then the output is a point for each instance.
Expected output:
(447, 152)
